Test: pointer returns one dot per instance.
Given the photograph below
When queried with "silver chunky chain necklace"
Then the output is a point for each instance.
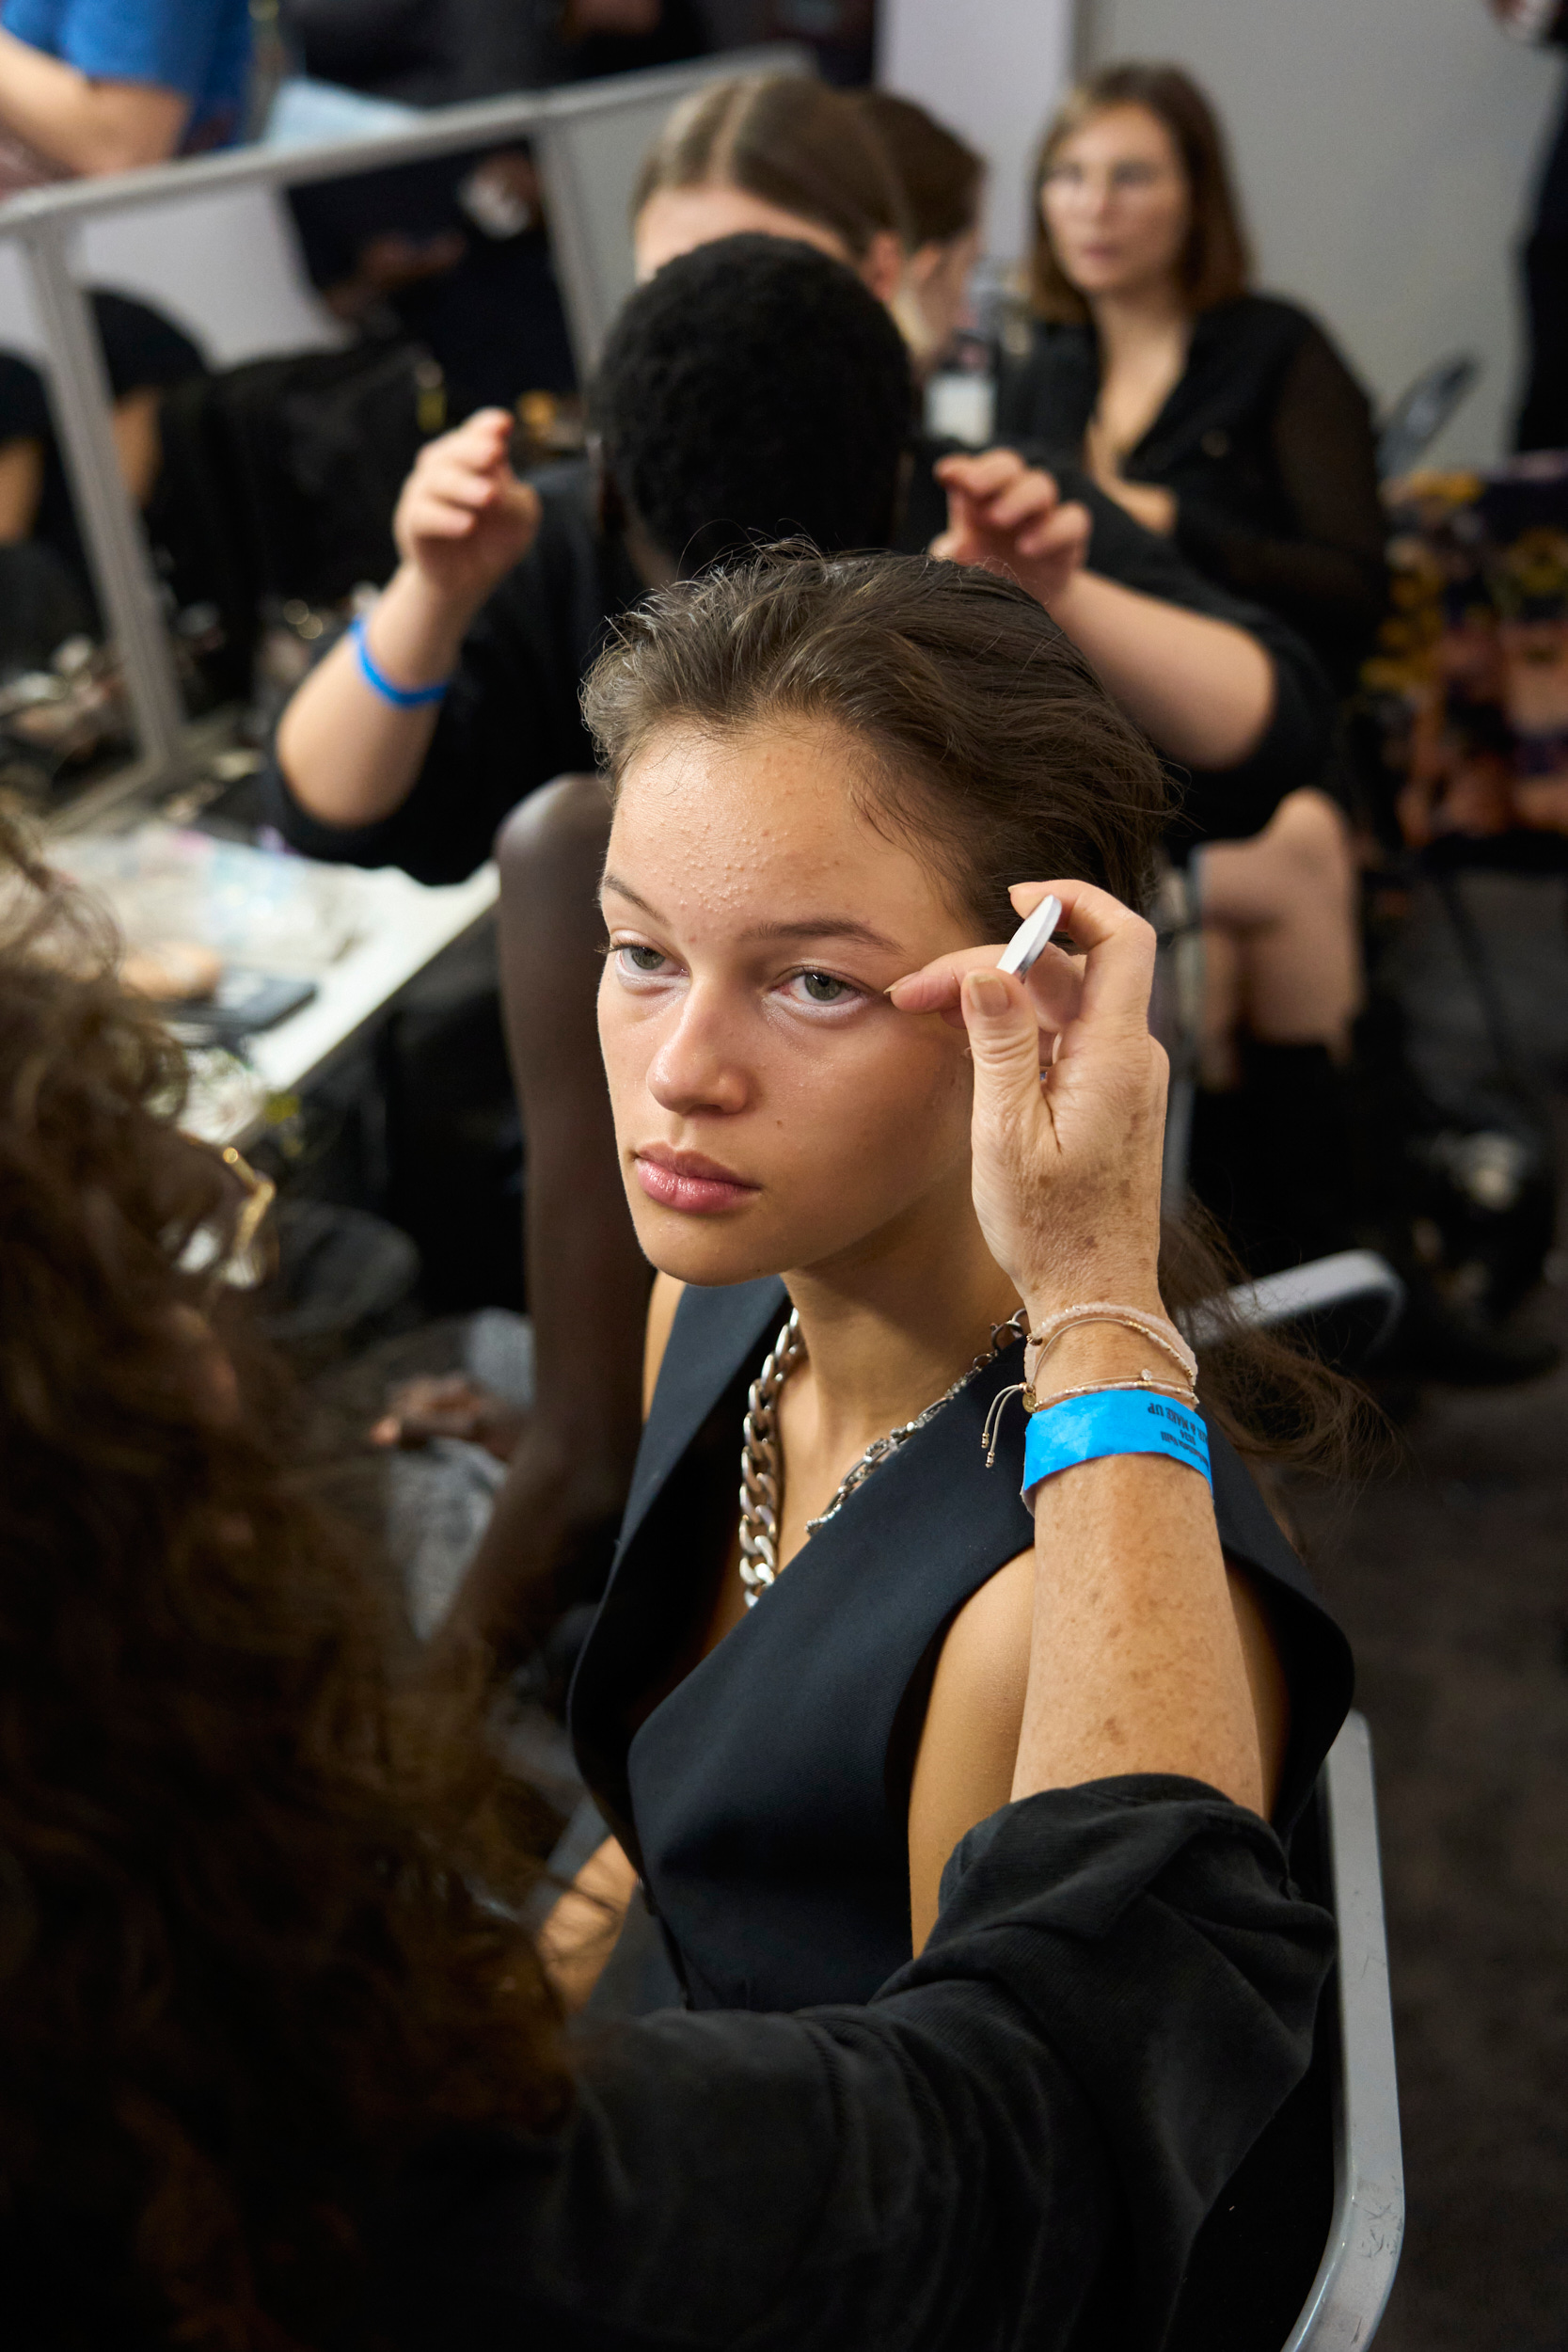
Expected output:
(762, 1468)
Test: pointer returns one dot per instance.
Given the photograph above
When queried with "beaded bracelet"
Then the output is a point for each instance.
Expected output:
(1113, 1421)
(401, 697)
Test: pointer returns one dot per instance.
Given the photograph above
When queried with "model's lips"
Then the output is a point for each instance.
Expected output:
(689, 1182)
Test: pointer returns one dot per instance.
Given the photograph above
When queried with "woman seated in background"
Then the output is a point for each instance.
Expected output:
(826, 774)
(1227, 421)
(278, 2067)
(46, 588)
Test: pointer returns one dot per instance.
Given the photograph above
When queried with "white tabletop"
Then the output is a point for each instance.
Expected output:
(404, 925)
(359, 937)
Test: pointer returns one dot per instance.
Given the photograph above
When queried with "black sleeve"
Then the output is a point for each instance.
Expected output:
(23, 403)
(1013, 2146)
(1220, 804)
(510, 723)
(143, 351)
(1329, 577)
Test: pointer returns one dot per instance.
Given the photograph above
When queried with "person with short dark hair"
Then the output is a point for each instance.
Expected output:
(752, 391)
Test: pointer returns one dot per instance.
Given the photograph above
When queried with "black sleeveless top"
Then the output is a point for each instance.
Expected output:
(764, 1799)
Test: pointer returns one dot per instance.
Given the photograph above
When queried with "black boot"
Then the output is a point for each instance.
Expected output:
(1272, 1160)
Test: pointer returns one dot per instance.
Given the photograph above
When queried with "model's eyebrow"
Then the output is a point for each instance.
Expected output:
(809, 927)
(609, 882)
(827, 927)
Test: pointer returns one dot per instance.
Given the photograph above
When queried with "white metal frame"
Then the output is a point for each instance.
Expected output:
(1349, 2294)
(41, 222)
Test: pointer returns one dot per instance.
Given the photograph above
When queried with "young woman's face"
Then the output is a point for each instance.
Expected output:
(1116, 204)
(773, 1111)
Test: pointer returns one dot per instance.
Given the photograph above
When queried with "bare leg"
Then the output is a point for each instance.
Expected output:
(139, 441)
(1285, 903)
(555, 1518)
(21, 488)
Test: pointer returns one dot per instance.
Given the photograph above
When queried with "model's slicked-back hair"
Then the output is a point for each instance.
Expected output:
(983, 729)
(752, 389)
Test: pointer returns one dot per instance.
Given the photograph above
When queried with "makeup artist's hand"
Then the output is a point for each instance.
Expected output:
(1011, 517)
(1070, 1101)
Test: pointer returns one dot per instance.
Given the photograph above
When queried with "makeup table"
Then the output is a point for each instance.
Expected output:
(360, 937)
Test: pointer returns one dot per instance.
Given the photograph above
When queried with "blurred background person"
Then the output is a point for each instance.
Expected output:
(1226, 421)
(454, 251)
(86, 88)
(942, 181)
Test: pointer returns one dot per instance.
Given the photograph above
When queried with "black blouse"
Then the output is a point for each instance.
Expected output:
(1011, 2150)
(1267, 444)
(764, 1799)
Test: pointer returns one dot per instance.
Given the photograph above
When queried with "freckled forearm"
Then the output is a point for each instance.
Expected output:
(1137, 1660)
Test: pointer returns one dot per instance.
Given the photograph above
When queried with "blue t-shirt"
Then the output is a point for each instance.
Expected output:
(200, 48)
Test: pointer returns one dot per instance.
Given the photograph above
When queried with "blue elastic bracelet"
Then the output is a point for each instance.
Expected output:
(405, 697)
(1115, 1421)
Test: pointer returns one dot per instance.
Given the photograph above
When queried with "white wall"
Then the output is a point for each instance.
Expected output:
(993, 68)
(224, 268)
(1385, 149)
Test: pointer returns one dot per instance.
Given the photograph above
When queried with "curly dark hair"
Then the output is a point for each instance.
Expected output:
(256, 1897)
(751, 389)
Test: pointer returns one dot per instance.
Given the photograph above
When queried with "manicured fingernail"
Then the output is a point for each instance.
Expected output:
(988, 994)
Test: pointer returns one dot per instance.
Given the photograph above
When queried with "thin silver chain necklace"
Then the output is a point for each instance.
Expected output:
(762, 1470)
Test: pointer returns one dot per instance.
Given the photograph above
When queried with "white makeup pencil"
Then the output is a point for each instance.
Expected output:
(1028, 941)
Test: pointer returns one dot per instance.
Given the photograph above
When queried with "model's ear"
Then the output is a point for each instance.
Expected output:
(883, 267)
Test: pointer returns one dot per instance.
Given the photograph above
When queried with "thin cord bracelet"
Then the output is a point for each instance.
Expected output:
(1124, 1420)
(1163, 1334)
(401, 697)
(990, 1434)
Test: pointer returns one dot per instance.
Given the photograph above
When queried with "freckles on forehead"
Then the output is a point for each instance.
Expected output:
(759, 822)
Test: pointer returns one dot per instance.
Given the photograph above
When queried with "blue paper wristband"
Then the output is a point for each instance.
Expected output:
(1115, 1421)
(403, 697)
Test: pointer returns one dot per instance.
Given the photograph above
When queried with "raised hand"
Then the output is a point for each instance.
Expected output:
(1070, 1100)
(464, 518)
(1011, 518)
